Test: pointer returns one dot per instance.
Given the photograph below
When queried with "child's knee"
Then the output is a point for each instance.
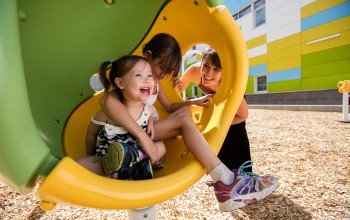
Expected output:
(161, 148)
(92, 163)
(185, 111)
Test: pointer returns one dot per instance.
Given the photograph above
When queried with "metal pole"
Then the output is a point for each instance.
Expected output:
(345, 106)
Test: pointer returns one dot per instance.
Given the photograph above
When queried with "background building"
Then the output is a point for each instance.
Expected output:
(298, 49)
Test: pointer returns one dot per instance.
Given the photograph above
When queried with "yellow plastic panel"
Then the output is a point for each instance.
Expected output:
(70, 183)
(75, 129)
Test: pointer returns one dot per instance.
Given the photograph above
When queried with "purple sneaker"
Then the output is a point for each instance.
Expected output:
(247, 188)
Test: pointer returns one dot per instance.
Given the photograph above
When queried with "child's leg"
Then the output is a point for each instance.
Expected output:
(161, 152)
(180, 123)
(161, 148)
(92, 163)
(232, 189)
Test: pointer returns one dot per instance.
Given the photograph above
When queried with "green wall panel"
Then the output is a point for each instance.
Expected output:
(324, 56)
(324, 82)
(283, 86)
(250, 85)
(324, 69)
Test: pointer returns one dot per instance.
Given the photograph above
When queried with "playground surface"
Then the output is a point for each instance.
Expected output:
(309, 152)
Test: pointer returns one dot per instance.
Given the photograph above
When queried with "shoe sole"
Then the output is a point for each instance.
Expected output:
(231, 204)
(115, 158)
(209, 183)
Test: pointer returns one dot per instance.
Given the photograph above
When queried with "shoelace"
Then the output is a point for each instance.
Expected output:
(248, 164)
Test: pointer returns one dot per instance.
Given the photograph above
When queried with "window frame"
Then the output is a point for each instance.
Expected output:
(195, 92)
(255, 11)
(256, 83)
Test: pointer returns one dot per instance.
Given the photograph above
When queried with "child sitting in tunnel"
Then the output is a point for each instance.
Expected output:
(117, 150)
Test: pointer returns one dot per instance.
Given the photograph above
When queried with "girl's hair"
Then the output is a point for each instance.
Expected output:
(165, 48)
(211, 55)
(117, 70)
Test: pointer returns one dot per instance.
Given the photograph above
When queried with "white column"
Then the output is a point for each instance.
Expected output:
(345, 106)
(146, 213)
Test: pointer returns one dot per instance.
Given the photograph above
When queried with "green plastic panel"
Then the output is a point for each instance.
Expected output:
(63, 43)
(48, 51)
(213, 3)
(22, 151)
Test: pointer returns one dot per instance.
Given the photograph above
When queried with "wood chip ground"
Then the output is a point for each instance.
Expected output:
(309, 152)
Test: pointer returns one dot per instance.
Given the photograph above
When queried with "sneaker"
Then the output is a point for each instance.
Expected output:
(118, 155)
(141, 170)
(159, 164)
(209, 181)
(246, 189)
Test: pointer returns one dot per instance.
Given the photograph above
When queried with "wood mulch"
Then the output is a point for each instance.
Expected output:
(309, 152)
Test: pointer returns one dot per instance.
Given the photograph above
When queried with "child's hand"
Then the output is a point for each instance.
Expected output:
(150, 149)
(178, 85)
(201, 101)
(150, 130)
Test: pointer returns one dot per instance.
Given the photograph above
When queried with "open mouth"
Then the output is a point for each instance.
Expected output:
(207, 79)
(145, 90)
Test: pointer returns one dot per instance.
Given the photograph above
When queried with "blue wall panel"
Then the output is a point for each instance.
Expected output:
(326, 16)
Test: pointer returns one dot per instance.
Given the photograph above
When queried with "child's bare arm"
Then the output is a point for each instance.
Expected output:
(92, 132)
(91, 138)
(116, 112)
(150, 128)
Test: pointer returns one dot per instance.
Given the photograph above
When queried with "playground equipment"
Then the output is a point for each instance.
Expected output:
(48, 52)
(344, 87)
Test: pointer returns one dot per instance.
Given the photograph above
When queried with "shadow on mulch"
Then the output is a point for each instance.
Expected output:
(37, 213)
(273, 207)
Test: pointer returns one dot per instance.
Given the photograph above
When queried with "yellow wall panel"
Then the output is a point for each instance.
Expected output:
(284, 42)
(288, 52)
(318, 6)
(341, 40)
(258, 60)
(289, 63)
(330, 28)
(255, 42)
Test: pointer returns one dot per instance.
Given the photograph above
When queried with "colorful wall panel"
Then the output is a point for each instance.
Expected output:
(303, 44)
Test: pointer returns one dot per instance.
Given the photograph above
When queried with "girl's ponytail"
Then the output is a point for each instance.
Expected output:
(103, 75)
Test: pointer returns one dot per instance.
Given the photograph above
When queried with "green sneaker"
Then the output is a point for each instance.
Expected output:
(117, 157)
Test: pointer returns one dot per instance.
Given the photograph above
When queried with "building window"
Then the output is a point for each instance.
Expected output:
(242, 12)
(261, 83)
(259, 12)
(194, 91)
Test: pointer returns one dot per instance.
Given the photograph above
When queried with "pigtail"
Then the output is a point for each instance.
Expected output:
(103, 75)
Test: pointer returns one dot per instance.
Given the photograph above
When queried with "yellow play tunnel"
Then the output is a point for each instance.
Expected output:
(191, 23)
